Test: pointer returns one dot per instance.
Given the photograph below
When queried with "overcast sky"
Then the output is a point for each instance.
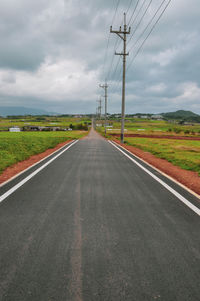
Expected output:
(54, 54)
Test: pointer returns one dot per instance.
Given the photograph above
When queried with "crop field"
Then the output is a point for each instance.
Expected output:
(15, 147)
(46, 121)
(154, 127)
(182, 153)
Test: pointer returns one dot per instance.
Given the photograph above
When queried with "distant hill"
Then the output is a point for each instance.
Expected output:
(17, 111)
(182, 115)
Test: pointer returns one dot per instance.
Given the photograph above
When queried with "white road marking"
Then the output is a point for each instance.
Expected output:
(174, 192)
(161, 172)
(14, 188)
(38, 162)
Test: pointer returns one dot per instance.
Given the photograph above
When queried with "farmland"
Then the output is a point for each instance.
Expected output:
(43, 121)
(154, 127)
(182, 153)
(16, 147)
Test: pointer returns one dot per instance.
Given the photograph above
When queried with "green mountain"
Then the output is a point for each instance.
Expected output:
(182, 115)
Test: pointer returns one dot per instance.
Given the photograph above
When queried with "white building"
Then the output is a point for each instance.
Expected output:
(14, 129)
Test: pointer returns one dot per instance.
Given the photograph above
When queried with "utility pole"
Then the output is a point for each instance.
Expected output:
(122, 34)
(105, 87)
(98, 109)
(100, 106)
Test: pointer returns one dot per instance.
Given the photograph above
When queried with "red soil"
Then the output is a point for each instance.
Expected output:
(20, 166)
(188, 178)
(158, 136)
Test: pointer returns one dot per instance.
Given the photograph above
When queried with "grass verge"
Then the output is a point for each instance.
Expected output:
(16, 147)
(185, 154)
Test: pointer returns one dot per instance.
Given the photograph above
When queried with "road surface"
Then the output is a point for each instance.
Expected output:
(92, 225)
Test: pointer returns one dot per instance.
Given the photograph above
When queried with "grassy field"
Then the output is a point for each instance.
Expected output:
(156, 127)
(47, 121)
(15, 147)
(182, 153)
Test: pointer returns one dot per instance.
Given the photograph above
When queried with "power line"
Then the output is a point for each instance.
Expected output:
(111, 64)
(117, 83)
(141, 7)
(149, 23)
(141, 19)
(149, 34)
(133, 12)
(129, 7)
(115, 11)
(115, 71)
(108, 40)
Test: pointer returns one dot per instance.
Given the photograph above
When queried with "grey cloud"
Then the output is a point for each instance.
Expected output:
(75, 30)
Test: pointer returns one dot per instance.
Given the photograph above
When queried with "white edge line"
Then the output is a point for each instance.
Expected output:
(36, 163)
(174, 192)
(161, 172)
(14, 188)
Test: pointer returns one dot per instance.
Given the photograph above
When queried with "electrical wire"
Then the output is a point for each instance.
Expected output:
(139, 49)
(108, 40)
(149, 23)
(133, 12)
(115, 70)
(141, 7)
(111, 64)
(141, 19)
(129, 7)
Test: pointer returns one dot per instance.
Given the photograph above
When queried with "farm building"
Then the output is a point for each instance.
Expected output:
(14, 129)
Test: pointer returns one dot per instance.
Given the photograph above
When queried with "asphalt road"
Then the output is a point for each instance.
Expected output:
(92, 225)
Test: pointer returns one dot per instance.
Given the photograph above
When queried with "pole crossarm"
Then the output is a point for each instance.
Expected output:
(119, 32)
(117, 53)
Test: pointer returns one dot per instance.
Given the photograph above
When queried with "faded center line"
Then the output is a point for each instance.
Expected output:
(76, 250)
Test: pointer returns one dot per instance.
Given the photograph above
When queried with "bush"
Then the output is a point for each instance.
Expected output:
(177, 131)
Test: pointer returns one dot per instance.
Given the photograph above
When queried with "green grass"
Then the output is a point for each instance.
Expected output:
(159, 127)
(50, 121)
(182, 153)
(15, 147)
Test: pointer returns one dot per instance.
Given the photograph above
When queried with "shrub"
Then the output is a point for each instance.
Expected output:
(177, 131)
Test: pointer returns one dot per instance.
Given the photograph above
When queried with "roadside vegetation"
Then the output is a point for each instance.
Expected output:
(15, 147)
(182, 153)
(152, 127)
(45, 122)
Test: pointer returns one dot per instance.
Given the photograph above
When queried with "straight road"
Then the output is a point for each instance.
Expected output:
(92, 225)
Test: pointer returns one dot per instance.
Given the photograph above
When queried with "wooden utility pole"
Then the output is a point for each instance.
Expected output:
(122, 34)
(99, 101)
(105, 87)
(100, 107)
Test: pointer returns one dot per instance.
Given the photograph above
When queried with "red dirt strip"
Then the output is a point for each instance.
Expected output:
(188, 178)
(13, 170)
(158, 136)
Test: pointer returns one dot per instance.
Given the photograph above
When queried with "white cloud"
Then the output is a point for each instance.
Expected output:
(190, 92)
(161, 87)
(54, 80)
(166, 57)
